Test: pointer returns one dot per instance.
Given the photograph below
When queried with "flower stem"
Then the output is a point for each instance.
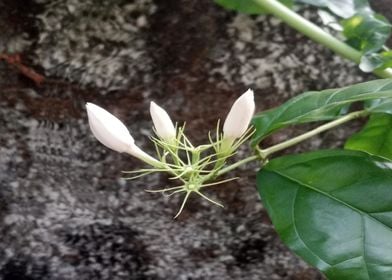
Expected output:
(354, 115)
(237, 164)
(315, 33)
(263, 154)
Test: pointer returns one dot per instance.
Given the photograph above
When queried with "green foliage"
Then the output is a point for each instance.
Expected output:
(363, 29)
(323, 105)
(247, 6)
(366, 32)
(375, 138)
(334, 209)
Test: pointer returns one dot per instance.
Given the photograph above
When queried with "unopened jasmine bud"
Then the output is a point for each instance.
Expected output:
(239, 117)
(112, 133)
(108, 129)
(163, 124)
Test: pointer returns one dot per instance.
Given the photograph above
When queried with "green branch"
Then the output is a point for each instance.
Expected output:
(281, 146)
(316, 33)
(263, 154)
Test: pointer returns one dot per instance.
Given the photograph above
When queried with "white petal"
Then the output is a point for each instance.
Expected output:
(240, 115)
(162, 122)
(108, 129)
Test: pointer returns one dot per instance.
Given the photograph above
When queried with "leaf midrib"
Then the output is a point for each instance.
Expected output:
(297, 233)
(339, 201)
(331, 197)
(363, 256)
(277, 116)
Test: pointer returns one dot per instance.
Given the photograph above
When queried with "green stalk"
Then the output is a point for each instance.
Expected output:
(237, 164)
(316, 33)
(293, 141)
(263, 154)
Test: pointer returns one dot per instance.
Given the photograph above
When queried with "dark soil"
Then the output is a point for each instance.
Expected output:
(65, 211)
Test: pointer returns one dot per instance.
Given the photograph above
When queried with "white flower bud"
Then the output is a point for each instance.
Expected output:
(108, 129)
(112, 133)
(164, 126)
(239, 117)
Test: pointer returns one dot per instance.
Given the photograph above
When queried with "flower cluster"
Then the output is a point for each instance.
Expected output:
(193, 166)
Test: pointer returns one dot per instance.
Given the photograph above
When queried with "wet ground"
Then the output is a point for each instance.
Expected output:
(65, 211)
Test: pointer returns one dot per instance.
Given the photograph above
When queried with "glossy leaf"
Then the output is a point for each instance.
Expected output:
(375, 138)
(247, 6)
(334, 209)
(323, 105)
(367, 31)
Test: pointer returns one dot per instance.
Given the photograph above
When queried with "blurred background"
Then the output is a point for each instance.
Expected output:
(65, 210)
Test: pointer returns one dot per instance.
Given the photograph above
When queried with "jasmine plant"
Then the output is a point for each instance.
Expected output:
(331, 207)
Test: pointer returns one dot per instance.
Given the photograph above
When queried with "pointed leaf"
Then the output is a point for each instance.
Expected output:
(375, 138)
(323, 105)
(334, 209)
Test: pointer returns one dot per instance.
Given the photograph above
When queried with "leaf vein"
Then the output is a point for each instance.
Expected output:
(363, 245)
(297, 233)
(332, 197)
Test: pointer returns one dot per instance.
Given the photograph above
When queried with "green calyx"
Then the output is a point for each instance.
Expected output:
(193, 166)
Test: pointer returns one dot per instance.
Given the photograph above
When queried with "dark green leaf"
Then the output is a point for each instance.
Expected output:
(366, 31)
(375, 138)
(323, 105)
(247, 6)
(334, 209)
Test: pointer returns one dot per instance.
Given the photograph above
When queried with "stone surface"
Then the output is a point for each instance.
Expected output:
(65, 211)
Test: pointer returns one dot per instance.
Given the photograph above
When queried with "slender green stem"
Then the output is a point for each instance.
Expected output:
(354, 115)
(216, 174)
(316, 33)
(263, 154)
(237, 164)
